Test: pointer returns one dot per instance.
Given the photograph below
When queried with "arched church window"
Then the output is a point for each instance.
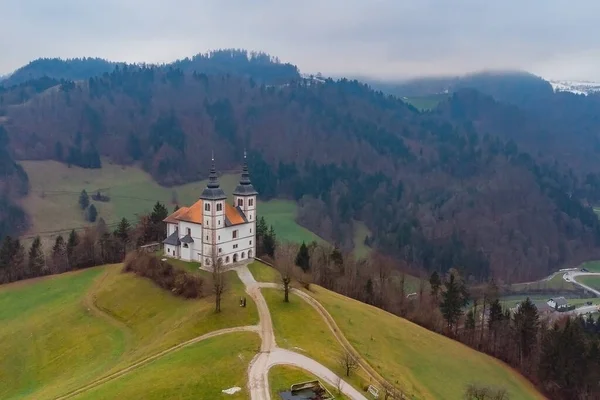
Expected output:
(241, 202)
(251, 202)
(206, 207)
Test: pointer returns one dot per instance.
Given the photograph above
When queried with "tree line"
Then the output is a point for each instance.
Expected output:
(95, 245)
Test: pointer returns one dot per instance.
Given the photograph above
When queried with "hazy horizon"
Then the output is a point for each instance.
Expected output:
(382, 39)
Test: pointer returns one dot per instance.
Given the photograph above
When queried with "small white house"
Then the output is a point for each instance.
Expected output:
(559, 303)
(211, 226)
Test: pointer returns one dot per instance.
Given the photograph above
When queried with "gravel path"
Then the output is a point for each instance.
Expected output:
(270, 354)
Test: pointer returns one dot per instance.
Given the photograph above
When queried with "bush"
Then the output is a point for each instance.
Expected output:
(164, 275)
(479, 392)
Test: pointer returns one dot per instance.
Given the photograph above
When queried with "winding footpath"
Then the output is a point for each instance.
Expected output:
(270, 355)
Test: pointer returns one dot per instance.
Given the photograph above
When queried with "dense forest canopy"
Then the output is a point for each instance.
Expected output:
(457, 187)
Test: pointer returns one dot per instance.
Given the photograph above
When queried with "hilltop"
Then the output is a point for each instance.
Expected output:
(122, 334)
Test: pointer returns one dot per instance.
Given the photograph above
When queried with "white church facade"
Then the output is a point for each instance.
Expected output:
(212, 227)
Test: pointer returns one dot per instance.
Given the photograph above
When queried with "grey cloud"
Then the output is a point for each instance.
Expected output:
(379, 38)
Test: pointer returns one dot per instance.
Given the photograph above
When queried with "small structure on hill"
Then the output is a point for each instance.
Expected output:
(559, 303)
(312, 390)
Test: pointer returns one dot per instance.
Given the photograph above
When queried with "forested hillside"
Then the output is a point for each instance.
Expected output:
(439, 190)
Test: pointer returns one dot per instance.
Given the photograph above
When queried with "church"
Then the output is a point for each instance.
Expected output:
(213, 228)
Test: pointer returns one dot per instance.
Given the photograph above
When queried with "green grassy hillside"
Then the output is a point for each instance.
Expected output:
(591, 281)
(301, 337)
(200, 371)
(49, 339)
(428, 365)
(61, 332)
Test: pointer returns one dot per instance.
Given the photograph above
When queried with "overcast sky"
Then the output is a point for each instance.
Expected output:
(557, 39)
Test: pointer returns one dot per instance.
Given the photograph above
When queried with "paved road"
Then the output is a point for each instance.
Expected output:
(571, 276)
(270, 354)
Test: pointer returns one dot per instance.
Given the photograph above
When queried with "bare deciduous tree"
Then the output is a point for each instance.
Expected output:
(285, 263)
(348, 362)
(218, 281)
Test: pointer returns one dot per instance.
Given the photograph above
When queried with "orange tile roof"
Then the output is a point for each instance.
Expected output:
(193, 214)
(173, 217)
(233, 215)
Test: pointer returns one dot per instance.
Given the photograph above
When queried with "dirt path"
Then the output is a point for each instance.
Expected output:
(89, 302)
(270, 355)
(147, 360)
(334, 328)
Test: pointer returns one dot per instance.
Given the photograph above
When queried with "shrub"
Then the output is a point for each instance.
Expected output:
(163, 274)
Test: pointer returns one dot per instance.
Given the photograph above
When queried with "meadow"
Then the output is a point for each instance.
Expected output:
(591, 281)
(53, 207)
(201, 370)
(400, 351)
(61, 332)
(592, 266)
(411, 356)
(425, 103)
(296, 326)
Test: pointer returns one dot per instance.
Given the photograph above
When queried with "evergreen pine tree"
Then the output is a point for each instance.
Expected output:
(159, 213)
(92, 213)
(123, 230)
(269, 242)
(84, 200)
(17, 262)
(6, 252)
(72, 243)
(303, 258)
(453, 300)
(526, 326)
(36, 258)
(176, 207)
(435, 282)
(261, 227)
(59, 254)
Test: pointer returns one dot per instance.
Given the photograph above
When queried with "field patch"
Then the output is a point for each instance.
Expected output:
(591, 266)
(406, 353)
(157, 320)
(591, 281)
(50, 340)
(59, 333)
(199, 371)
(425, 103)
(55, 188)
